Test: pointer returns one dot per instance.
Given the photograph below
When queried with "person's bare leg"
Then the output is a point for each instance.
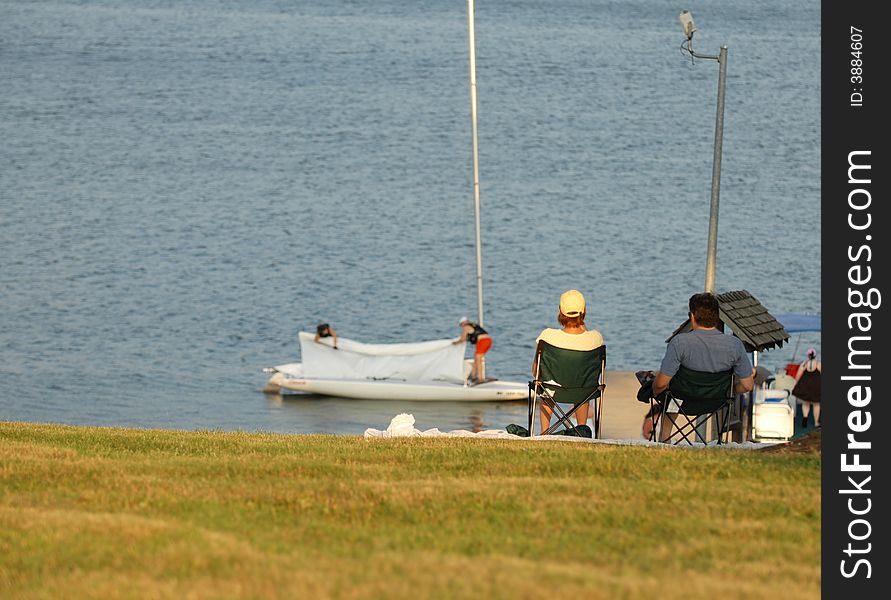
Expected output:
(545, 416)
(805, 413)
(581, 415)
(816, 414)
(477, 366)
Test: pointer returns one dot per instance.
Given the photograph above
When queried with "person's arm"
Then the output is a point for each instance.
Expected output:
(744, 385)
(800, 371)
(671, 362)
(333, 335)
(660, 384)
(316, 339)
(462, 337)
(744, 371)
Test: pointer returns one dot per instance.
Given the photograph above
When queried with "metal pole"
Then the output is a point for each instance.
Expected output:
(476, 177)
(750, 406)
(711, 260)
(476, 165)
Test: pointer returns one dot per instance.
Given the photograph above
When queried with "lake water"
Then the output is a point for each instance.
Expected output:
(187, 184)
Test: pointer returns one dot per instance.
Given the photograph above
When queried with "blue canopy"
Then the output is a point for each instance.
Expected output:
(797, 322)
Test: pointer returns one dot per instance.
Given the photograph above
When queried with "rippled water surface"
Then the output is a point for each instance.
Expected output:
(186, 184)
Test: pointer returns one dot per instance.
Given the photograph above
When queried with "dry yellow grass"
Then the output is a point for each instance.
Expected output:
(113, 513)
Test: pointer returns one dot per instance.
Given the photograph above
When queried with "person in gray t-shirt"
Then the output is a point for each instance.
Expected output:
(707, 350)
(704, 349)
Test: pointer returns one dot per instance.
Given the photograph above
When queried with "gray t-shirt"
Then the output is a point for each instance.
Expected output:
(707, 350)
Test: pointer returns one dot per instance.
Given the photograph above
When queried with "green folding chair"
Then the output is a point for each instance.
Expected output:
(573, 377)
(694, 397)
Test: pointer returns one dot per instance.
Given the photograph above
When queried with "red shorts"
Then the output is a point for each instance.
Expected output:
(482, 346)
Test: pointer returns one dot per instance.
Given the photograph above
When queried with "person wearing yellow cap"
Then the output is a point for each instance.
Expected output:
(573, 336)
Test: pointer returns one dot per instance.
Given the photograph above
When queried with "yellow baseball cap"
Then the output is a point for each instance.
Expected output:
(572, 303)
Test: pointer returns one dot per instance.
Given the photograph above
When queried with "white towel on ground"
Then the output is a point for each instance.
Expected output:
(403, 425)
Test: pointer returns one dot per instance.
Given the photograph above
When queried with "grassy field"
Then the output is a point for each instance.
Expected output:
(116, 513)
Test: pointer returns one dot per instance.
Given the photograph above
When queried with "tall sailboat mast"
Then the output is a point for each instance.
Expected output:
(476, 165)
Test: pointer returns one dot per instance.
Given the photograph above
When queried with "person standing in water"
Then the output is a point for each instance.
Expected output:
(808, 384)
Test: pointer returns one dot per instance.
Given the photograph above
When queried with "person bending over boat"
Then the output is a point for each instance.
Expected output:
(324, 330)
(476, 335)
(574, 336)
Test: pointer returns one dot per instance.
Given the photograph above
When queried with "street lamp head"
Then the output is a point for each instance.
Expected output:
(686, 20)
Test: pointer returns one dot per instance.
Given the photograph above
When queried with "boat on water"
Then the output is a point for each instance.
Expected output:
(431, 370)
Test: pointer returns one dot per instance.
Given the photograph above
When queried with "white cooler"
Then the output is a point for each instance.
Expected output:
(773, 416)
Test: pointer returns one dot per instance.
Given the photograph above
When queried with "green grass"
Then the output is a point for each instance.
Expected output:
(115, 513)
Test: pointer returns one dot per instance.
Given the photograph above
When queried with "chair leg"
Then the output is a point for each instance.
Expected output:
(701, 432)
(692, 428)
(658, 424)
(720, 425)
(684, 430)
(656, 417)
(598, 408)
(564, 418)
(532, 403)
(668, 427)
(539, 395)
(723, 423)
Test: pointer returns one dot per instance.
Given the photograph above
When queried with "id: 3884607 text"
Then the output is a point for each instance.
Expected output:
(856, 66)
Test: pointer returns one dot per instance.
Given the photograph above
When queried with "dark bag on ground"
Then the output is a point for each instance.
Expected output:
(578, 431)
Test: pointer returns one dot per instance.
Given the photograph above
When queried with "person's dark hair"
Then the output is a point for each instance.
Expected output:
(322, 329)
(704, 307)
(571, 321)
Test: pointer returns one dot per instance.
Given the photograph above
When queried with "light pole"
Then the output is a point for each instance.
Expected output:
(686, 20)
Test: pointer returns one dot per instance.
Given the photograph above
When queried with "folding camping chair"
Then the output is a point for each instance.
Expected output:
(573, 377)
(693, 397)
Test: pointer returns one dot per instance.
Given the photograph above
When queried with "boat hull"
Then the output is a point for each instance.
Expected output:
(289, 379)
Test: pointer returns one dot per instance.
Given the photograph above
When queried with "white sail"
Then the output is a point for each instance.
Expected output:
(436, 360)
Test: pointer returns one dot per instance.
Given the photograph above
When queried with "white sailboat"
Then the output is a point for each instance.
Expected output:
(432, 370)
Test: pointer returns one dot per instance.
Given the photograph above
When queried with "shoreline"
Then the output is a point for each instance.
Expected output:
(622, 414)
